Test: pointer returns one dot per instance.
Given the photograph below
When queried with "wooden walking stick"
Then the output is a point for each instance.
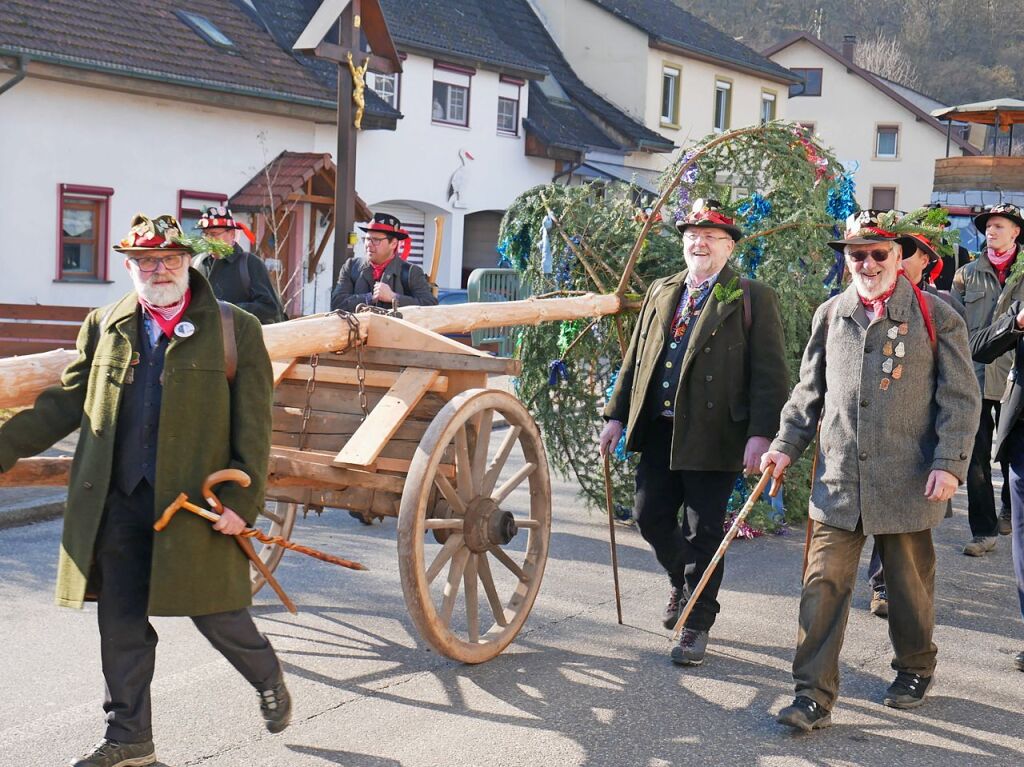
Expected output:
(751, 500)
(611, 535)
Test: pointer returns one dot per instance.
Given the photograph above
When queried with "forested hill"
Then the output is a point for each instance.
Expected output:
(961, 51)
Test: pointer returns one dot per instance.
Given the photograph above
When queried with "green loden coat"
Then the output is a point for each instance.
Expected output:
(205, 425)
(733, 383)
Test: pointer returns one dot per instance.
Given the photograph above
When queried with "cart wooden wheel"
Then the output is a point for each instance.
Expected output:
(498, 527)
(277, 521)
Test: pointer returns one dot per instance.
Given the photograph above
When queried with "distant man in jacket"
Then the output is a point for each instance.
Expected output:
(984, 288)
(240, 278)
(382, 277)
(888, 374)
(699, 394)
(157, 415)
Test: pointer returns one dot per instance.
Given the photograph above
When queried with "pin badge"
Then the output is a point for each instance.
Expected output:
(904, 328)
(897, 372)
(887, 366)
(135, 359)
(884, 385)
(892, 332)
(901, 350)
(184, 329)
(887, 349)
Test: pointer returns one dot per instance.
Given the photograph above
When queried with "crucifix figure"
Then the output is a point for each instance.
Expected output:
(358, 86)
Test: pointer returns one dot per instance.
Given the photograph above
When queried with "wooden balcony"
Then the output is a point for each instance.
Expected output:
(987, 173)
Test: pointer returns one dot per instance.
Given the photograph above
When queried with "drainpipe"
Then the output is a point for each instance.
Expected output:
(19, 74)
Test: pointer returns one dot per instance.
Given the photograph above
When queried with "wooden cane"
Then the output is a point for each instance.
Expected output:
(611, 535)
(751, 500)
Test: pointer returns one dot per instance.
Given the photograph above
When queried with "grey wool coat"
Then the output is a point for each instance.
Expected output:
(878, 445)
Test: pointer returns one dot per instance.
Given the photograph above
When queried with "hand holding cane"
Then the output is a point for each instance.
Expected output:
(747, 507)
(611, 535)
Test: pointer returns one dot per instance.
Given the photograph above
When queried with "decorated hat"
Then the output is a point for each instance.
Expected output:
(1006, 210)
(160, 233)
(870, 226)
(925, 246)
(217, 217)
(385, 223)
(707, 214)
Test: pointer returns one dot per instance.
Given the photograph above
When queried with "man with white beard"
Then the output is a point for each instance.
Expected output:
(888, 375)
(162, 397)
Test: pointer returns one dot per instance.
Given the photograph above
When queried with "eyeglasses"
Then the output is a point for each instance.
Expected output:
(878, 256)
(695, 236)
(151, 263)
(373, 242)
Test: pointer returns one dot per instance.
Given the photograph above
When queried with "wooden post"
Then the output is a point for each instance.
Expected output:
(345, 158)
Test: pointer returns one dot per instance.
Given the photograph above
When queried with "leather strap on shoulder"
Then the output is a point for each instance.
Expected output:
(227, 329)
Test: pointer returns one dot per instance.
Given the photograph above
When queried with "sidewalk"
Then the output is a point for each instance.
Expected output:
(26, 505)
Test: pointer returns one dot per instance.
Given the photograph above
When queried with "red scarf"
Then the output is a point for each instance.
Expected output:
(1002, 261)
(378, 269)
(167, 316)
(877, 305)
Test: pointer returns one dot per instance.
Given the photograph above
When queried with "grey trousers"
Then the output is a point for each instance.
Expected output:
(833, 557)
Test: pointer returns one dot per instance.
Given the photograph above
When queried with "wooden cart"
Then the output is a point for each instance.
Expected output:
(404, 425)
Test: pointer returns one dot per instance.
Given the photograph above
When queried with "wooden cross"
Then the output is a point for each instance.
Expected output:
(356, 19)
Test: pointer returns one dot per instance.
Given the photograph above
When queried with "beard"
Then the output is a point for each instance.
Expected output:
(163, 294)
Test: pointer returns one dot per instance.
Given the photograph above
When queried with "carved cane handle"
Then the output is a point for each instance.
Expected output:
(224, 475)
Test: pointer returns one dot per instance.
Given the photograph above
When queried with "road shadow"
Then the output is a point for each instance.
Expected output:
(346, 758)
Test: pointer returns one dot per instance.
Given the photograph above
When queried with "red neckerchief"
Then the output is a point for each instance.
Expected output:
(877, 305)
(1002, 261)
(160, 315)
(378, 269)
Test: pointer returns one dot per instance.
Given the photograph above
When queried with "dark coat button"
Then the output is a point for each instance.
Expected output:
(863, 456)
(708, 378)
(707, 350)
(87, 485)
(963, 456)
(863, 403)
(711, 405)
(868, 349)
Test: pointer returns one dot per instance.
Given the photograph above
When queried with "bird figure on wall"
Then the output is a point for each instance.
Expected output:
(457, 182)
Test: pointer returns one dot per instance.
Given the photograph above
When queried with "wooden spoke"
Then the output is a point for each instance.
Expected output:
(495, 466)
(506, 560)
(472, 607)
(483, 442)
(444, 524)
(484, 571)
(451, 588)
(512, 483)
(463, 466)
(525, 524)
(450, 495)
(453, 544)
(277, 519)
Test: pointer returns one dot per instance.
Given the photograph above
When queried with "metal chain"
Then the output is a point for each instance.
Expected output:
(354, 341)
(307, 411)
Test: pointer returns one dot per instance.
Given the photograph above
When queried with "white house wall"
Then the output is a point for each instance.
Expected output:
(146, 149)
(846, 116)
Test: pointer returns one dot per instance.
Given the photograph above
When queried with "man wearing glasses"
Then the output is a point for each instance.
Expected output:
(698, 394)
(888, 375)
(158, 411)
(382, 277)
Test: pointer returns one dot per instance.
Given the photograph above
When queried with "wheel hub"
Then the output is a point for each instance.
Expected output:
(486, 525)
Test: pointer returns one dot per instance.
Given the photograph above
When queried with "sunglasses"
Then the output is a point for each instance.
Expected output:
(878, 256)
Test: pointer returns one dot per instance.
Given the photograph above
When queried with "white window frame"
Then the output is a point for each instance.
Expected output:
(723, 87)
(454, 108)
(888, 128)
(670, 107)
(509, 92)
(387, 86)
(768, 97)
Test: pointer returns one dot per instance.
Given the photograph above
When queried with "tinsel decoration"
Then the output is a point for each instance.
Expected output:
(842, 201)
(557, 371)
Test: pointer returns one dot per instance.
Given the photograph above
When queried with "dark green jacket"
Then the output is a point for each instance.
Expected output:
(205, 425)
(733, 382)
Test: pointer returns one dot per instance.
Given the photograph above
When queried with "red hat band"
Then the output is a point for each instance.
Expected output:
(711, 215)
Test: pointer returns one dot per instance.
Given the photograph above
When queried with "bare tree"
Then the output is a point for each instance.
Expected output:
(885, 57)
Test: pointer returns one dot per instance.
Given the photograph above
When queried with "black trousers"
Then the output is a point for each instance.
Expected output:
(123, 553)
(681, 514)
(981, 503)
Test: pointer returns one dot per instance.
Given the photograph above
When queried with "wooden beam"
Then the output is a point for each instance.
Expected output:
(281, 369)
(338, 54)
(317, 199)
(441, 360)
(383, 421)
(376, 379)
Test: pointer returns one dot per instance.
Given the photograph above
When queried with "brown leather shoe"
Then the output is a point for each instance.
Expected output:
(880, 603)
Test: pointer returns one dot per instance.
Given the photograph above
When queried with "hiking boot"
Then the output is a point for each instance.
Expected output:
(276, 706)
(110, 753)
(691, 647)
(1005, 525)
(674, 608)
(879, 603)
(980, 545)
(907, 691)
(804, 714)
(1018, 661)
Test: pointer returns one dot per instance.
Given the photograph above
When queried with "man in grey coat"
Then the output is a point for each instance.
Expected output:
(888, 373)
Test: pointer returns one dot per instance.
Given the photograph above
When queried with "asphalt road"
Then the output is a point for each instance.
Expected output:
(574, 689)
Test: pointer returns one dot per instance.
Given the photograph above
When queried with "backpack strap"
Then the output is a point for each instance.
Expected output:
(243, 274)
(227, 329)
(406, 269)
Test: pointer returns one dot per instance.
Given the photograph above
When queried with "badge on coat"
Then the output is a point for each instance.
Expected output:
(887, 366)
(893, 332)
(184, 329)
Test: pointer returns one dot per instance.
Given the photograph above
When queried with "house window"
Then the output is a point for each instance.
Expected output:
(385, 86)
(883, 197)
(508, 105)
(723, 104)
(670, 79)
(84, 220)
(887, 142)
(767, 106)
(191, 206)
(207, 30)
(810, 84)
(451, 95)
